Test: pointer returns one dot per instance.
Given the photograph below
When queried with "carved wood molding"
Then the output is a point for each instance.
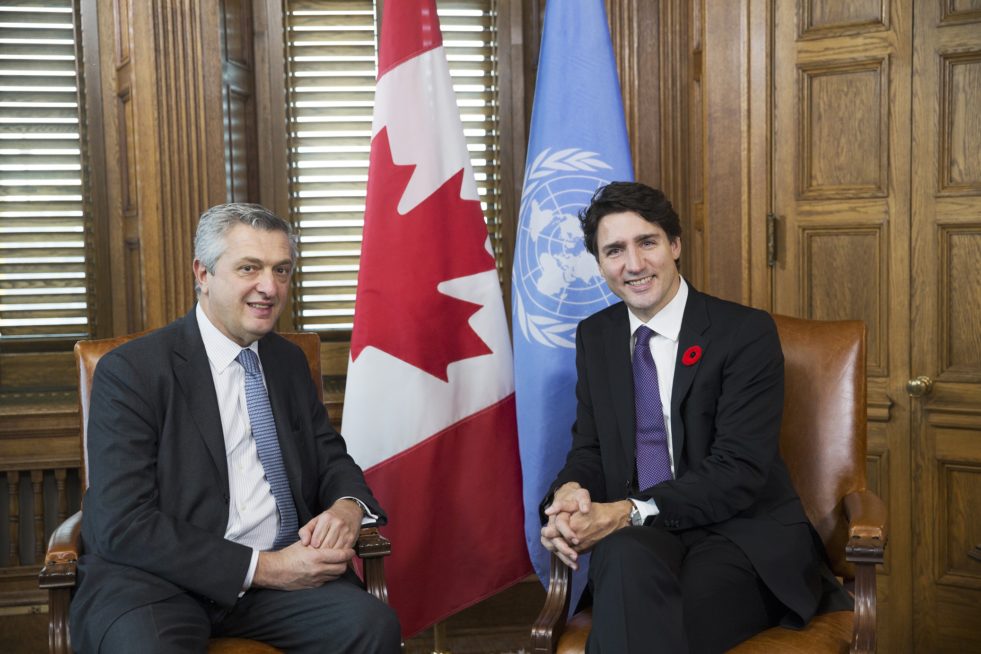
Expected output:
(191, 148)
(622, 15)
(652, 42)
(161, 123)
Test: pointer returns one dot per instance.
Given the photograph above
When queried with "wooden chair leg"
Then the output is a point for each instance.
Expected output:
(372, 548)
(547, 628)
(58, 641)
(865, 553)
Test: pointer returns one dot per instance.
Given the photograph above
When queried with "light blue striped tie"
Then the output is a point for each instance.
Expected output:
(267, 444)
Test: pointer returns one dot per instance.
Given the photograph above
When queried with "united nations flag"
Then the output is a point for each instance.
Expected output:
(578, 143)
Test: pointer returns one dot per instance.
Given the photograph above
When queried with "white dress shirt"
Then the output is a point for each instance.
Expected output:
(253, 519)
(666, 325)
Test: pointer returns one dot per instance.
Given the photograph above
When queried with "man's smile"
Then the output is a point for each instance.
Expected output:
(642, 281)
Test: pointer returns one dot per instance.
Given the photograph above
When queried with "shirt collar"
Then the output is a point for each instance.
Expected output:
(667, 321)
(221, 350)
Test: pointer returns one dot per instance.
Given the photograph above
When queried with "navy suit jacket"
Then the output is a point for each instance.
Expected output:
(725, 423)
(156, 508)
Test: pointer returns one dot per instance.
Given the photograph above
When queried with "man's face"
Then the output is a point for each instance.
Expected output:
(247, 292)
(637, 260)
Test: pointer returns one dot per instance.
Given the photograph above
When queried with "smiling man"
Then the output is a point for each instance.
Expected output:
(216, 481)
(674, 480)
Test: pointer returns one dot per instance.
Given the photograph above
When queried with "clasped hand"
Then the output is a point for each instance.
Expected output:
(322, 554)
(576, 523)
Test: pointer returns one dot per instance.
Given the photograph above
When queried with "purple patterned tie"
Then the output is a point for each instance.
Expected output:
(653, 462)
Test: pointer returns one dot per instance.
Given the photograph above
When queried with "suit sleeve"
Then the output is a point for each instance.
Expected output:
(584, 463)
(123, 523)
(746, 424)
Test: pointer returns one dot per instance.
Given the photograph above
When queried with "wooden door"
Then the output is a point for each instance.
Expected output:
(945, 325)
(840, 185)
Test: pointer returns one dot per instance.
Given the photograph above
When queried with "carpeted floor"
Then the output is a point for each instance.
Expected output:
(24, 633)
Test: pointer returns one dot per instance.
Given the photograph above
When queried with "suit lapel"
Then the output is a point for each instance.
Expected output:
(193, 373)
(616, 340)
(694, 328)
(278, 386)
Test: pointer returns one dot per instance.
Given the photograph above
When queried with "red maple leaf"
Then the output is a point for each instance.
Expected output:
(405, 257)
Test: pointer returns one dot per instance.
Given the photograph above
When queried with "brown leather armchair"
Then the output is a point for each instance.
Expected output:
(822, 440)
(58, 575)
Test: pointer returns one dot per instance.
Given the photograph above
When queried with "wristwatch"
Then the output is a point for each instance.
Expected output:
(636, 518)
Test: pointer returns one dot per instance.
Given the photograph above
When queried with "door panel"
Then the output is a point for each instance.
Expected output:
(946, 325)
(840, 142)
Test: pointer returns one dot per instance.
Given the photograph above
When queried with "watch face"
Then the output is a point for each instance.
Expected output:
(635, 518)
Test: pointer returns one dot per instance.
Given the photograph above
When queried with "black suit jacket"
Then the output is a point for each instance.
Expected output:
(156, 509)
(725, 424)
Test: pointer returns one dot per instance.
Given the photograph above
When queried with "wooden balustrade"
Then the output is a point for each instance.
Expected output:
(39, 487)
(31, 516)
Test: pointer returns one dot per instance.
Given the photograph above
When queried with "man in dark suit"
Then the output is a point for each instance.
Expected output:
(674, 481)
(220, 500)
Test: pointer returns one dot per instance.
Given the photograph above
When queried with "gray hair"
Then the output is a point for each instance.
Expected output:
(216, 222)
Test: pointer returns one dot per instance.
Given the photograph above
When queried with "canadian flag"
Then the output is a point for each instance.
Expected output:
(429, 407)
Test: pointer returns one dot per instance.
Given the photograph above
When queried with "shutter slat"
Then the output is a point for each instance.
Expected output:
(331, 59)
(42, 241)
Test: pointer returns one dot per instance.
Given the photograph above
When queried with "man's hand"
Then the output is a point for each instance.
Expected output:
(570, 497)
(337, 527)
(299, 566)
(576, 523)
(557, 536)
(600, 521)
(555, 543)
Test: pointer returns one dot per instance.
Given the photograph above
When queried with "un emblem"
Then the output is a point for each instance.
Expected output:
(557, 282)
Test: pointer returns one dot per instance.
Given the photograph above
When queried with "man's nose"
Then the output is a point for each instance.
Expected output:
(266, 282)
(634, 260)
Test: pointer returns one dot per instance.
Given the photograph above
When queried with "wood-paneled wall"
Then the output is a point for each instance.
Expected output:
(160, 106)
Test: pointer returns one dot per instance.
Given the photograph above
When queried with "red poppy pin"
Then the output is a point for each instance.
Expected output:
(691, 355)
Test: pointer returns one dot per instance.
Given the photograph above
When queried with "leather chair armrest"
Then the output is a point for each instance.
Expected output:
(372, 548)
(62, 556)
(867, 536)
(867, 516)
(550, 623)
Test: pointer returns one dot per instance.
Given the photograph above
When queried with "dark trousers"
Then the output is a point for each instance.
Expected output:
(337, 617)
(655, 591)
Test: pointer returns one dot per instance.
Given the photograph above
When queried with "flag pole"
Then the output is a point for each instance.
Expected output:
(439, 638)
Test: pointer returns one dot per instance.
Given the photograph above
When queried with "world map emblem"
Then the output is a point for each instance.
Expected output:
(557, 282)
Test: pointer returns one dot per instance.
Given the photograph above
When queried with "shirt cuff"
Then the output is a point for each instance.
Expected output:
(369, 517)
(646, 508)
(251, 573)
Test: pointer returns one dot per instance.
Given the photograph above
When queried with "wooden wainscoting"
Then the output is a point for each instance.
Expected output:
(39, 487)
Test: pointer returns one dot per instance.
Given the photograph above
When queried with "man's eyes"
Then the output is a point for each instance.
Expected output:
(283, 271)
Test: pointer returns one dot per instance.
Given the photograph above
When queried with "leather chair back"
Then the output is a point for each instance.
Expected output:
(88, 353)
(822, 437)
